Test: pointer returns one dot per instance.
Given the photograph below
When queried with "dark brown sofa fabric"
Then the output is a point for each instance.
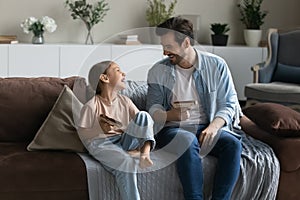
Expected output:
(47, 175)
(25, 104)
(41, 174)
(275, 118)
(287, 150)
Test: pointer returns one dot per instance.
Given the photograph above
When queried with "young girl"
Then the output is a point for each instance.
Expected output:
(113, 130)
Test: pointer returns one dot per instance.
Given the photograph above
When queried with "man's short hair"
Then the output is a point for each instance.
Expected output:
(182, 28)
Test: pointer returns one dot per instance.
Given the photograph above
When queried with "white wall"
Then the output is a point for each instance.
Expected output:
(129, 14)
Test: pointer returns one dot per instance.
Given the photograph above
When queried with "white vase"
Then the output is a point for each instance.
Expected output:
(252, 37)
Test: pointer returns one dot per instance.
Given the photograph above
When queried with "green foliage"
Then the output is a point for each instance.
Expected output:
(157, 12)
(252, 15)
(88, 13)
(219, 29)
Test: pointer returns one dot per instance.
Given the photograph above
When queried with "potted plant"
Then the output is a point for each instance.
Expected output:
(219, 37)
(156, 13)
(88, 13)
(252, 17)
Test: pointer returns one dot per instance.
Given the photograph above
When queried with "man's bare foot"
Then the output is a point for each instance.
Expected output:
(145, 161)
(134, 153)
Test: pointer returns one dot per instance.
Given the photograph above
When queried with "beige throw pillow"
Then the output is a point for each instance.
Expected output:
(58, 131)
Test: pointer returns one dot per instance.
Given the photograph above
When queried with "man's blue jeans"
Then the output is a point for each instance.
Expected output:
(183, 141)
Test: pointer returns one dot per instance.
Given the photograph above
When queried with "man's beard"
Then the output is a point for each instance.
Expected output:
(175, 59)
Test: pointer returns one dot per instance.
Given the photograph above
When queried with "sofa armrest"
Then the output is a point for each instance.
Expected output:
(286, 148)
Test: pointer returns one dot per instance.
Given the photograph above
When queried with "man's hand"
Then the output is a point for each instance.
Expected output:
(208, 134)
(178, 114)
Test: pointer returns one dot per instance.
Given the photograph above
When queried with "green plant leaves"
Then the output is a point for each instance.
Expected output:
(251, 14)
(219, 29)
(88, 13)
(157, 11)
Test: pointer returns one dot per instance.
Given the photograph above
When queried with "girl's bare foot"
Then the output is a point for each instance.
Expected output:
(134, 153)
(145, 160)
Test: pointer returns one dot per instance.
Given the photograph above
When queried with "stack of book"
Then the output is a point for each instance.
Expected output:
(129, 40)
(8, 39)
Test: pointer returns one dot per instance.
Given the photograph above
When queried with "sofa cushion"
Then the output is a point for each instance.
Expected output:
(43, 175)
(25, 104)
(137, 92)
(58, 131)
(275, 118)
(286, 148)
(288, 93)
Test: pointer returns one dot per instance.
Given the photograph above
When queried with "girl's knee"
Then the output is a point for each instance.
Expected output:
(143, 118)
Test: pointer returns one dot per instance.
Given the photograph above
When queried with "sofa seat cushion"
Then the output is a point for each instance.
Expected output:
(274, 92)
(41, 173)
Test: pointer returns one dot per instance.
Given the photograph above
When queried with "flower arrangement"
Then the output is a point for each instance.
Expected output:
(88, 13)
(38, 26)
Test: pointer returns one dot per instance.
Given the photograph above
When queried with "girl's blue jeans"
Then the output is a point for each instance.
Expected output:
(183, 141)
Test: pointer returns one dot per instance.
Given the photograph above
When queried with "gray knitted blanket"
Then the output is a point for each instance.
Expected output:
(258, 179)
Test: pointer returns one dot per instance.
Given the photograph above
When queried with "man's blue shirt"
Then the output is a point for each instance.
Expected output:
(213, 82)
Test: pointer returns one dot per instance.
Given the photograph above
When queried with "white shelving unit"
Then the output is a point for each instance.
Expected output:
(136, 60)
(77, 59)
(33, 60)
(63, 60)
(3, 60)
(239, 61)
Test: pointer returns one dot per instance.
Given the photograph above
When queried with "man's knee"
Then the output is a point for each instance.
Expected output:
(178, 141)
(232, 143)
(188, 141)
(237, 145)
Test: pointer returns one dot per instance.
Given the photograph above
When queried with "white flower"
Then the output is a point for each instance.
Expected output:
(28, 23)
(38, 26)
(49, 24)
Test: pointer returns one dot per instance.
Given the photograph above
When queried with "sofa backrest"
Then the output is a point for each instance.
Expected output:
(137, 92)
(25, 104)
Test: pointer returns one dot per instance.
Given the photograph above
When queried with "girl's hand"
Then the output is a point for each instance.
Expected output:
(106, 127)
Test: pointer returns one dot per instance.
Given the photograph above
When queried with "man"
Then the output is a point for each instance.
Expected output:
(203, 124)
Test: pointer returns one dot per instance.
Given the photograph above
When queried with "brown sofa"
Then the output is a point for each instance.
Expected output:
(24, 105)
(279, 127)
